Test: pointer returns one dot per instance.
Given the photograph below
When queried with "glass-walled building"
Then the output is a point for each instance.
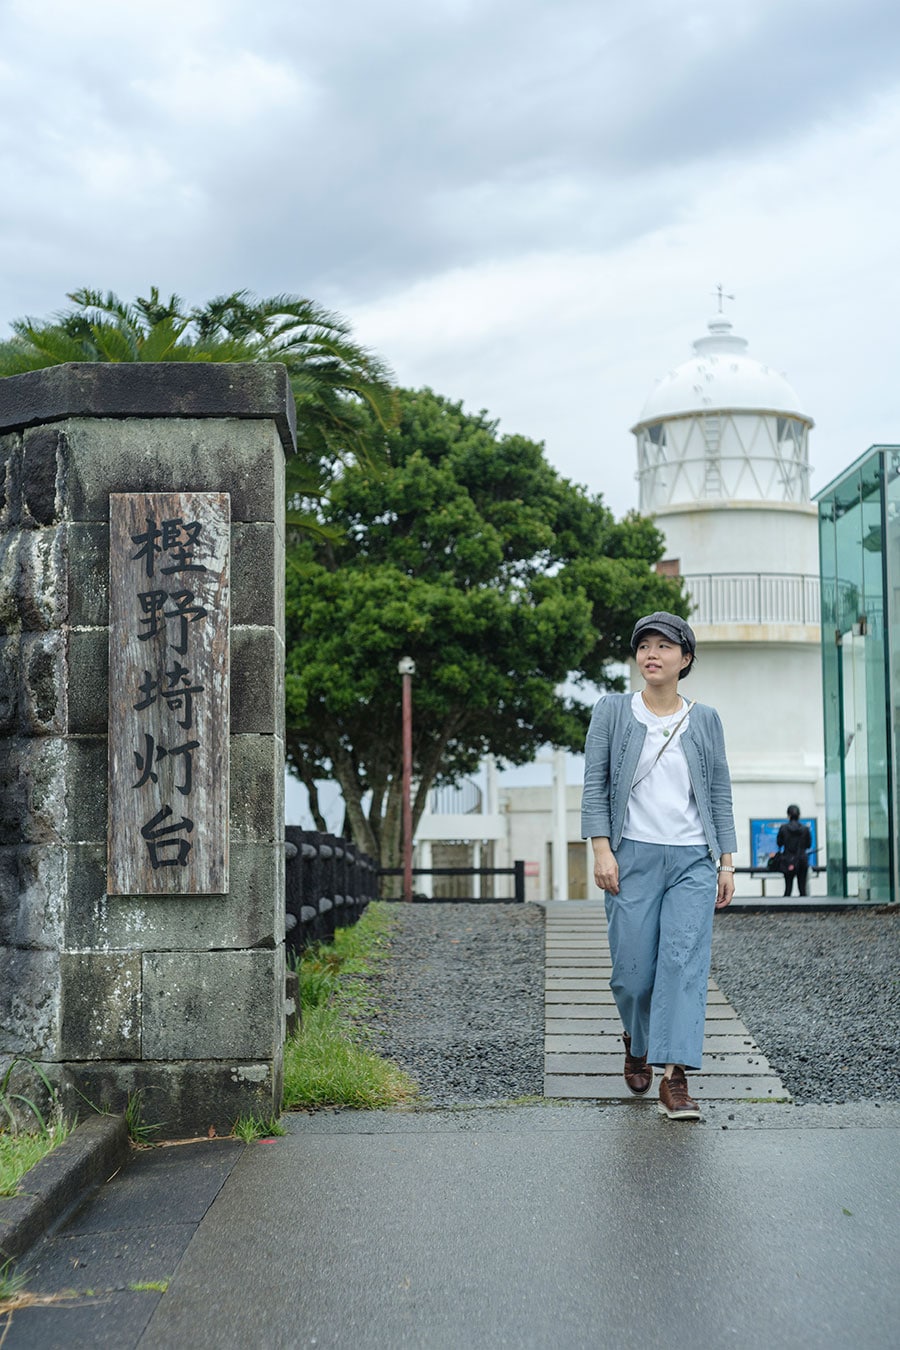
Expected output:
(859, 530)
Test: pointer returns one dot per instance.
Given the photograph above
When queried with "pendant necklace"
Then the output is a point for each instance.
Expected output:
(665, 727)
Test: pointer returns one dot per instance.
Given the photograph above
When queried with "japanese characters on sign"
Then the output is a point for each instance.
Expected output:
(168, 693)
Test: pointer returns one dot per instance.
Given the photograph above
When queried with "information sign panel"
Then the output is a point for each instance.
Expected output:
(763, 834)
(169, 602)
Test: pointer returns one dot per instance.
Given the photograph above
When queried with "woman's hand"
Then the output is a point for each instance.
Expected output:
(725, 891)
(606, 869)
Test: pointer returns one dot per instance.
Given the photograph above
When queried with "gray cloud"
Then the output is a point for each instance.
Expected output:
(346, 151)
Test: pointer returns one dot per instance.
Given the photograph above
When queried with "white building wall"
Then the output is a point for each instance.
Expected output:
(529, 834)
(736, 537)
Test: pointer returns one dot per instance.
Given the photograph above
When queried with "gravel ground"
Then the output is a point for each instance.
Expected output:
(821, 995)
(462, 999)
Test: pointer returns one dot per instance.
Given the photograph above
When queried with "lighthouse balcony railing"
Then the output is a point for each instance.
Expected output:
(753, 597)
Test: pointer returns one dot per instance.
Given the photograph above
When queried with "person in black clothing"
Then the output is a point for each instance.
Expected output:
(796, 841)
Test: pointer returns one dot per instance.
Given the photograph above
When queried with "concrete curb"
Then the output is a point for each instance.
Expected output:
(91, 1154)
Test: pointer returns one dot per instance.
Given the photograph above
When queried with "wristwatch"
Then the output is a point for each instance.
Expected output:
(725, 869)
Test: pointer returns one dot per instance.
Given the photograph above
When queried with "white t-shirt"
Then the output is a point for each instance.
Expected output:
(662, 808)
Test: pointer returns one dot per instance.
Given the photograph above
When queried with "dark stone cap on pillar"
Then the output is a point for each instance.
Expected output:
(150, 389)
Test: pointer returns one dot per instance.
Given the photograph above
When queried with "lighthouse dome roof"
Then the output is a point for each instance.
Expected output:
(720, 376)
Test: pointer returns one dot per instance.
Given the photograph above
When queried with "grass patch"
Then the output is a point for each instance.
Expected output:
(12, 1103)
(140, 1131)
(251, 1128)
(11, 1284)
(21, 1148)
(325, 1065)
(328, 1062)
(20, 1152)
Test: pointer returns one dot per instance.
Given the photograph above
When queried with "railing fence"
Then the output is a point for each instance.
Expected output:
(754, 597)
(517, 871)
(327, 884)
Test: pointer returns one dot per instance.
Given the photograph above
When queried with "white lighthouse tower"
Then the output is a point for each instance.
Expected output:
(724, 470)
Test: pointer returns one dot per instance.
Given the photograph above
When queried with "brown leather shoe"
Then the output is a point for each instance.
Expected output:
(638, 1073)
(674, 1101)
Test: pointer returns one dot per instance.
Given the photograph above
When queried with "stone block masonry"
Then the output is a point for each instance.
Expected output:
(178, 996)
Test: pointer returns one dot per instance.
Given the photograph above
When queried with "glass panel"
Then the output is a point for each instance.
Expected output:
(878, 842)
(851, 670)
(892, 561)
(856, 697)
(831, 694)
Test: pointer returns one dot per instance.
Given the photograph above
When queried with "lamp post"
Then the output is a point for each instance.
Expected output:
(407, 668)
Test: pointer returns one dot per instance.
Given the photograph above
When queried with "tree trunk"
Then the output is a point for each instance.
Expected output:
(428, 773)
(363, 835)
(392, 824)
(313, 791)
(380, 834)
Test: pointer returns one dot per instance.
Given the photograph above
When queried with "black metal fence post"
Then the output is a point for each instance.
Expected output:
(519, 866)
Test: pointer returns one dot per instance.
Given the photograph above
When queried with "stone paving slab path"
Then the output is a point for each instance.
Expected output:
(490, 1228)
(583, 1052)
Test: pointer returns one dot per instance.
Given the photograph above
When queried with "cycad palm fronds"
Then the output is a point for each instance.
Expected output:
(332, 377)
(329, 372)
(100, 328)
(342, 392)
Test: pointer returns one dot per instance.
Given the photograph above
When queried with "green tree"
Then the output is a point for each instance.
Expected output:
(501, 579)
(342, 391)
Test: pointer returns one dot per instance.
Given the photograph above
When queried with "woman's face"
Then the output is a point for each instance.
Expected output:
(659, 659)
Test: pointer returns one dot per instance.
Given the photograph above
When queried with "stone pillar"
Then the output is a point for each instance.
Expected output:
(178, 997)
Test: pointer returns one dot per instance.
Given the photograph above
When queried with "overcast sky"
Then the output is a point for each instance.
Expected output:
(524, 203)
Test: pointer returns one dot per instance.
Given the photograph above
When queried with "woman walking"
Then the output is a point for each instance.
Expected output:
(657, 809)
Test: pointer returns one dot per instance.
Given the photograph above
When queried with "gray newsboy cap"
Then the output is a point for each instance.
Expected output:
(669, 625)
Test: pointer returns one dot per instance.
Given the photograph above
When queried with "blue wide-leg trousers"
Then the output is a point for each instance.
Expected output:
(660, 940)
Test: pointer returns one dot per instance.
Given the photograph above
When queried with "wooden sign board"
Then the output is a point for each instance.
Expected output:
(169, 612)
